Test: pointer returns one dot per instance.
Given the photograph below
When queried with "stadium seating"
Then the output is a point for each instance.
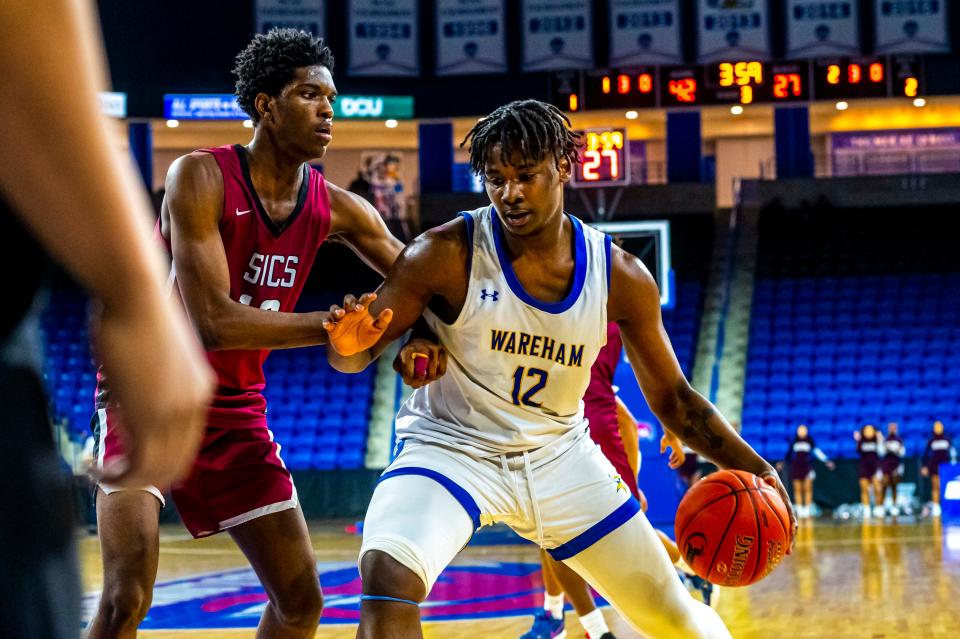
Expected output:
(855, 320)
(68, 368)
(319, 416)
(682, 322)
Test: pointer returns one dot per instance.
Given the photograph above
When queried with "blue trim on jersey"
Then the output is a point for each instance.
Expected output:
(598, 531)
(607, 249)
(458, 493)
(579, 268)
(469, 219)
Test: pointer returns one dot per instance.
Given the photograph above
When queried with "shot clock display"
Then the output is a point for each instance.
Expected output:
(603, 160)
(741, 82)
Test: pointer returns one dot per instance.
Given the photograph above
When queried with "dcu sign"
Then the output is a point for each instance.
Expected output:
(223, 106)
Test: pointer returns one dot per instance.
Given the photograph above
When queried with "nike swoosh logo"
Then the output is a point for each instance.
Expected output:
(239, 212)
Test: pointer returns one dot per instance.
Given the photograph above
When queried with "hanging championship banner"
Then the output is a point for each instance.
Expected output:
(383, 37)
(912, 26)
(306, 15)
(733, 30)
(645, 32)
(557, 34)
(822, 28)
(470, 37)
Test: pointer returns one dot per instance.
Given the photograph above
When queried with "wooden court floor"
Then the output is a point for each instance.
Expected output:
(876, 580)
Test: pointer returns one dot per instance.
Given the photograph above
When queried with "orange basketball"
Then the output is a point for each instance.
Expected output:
(732, 528)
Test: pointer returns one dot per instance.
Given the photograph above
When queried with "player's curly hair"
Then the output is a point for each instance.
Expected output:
(270, 61)
(530, 127)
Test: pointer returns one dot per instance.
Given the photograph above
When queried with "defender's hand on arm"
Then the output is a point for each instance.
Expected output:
(352, 329)
(413, 282)
(359, 225)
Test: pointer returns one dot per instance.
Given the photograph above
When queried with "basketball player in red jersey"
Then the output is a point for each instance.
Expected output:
(244, 224)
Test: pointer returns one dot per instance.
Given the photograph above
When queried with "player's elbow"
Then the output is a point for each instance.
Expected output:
(212, 322)
(353, 364)
(210, 335)
(672, 401)
(212, 330)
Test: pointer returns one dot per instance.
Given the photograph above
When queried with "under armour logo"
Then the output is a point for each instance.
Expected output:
(495, 295)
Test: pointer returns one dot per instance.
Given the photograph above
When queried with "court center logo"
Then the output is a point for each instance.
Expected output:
(235, 599)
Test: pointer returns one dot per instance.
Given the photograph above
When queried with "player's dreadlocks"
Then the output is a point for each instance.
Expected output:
(529, 127)
(270, 61)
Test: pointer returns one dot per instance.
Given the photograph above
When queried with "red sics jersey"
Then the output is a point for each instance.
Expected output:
(268, 265)
(599, 400)
(600, 406)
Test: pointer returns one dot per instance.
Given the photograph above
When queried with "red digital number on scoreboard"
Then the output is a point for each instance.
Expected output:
(684, 90)
(602, 160)
(787, 85)
(645, 82)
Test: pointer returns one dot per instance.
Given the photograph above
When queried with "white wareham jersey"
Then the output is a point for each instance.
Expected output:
(518, 367)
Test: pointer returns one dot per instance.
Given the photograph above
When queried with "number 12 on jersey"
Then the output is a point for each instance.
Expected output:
(527, 398)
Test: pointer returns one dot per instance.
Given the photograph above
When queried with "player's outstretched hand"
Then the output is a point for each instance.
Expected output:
(677, 456)
(420, 362)
(351, 329)
(772, 478)
(160, 379)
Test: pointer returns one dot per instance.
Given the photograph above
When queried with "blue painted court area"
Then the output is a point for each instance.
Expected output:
(235, 599)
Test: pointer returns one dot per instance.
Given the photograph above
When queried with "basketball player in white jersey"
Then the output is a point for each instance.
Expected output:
(520, 294)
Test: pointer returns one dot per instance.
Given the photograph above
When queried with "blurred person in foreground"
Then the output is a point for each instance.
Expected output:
(71, 215)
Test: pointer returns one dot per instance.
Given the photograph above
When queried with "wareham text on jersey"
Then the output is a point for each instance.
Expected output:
(518, 343)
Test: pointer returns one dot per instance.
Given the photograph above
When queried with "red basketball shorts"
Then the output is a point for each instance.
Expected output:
(238, 474)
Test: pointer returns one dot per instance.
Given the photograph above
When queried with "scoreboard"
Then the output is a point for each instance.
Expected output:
(604, 160)
(739, 82)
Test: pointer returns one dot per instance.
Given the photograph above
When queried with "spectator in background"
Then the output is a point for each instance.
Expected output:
(361, 183)
(892, 466)
(939, 450)
(386, 188)
(800, 460)
(869, 445)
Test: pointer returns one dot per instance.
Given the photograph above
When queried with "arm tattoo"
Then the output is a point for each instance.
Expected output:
(697, 425)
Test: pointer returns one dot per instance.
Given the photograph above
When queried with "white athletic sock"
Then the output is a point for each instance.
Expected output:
(553, 604)
(594, 624)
